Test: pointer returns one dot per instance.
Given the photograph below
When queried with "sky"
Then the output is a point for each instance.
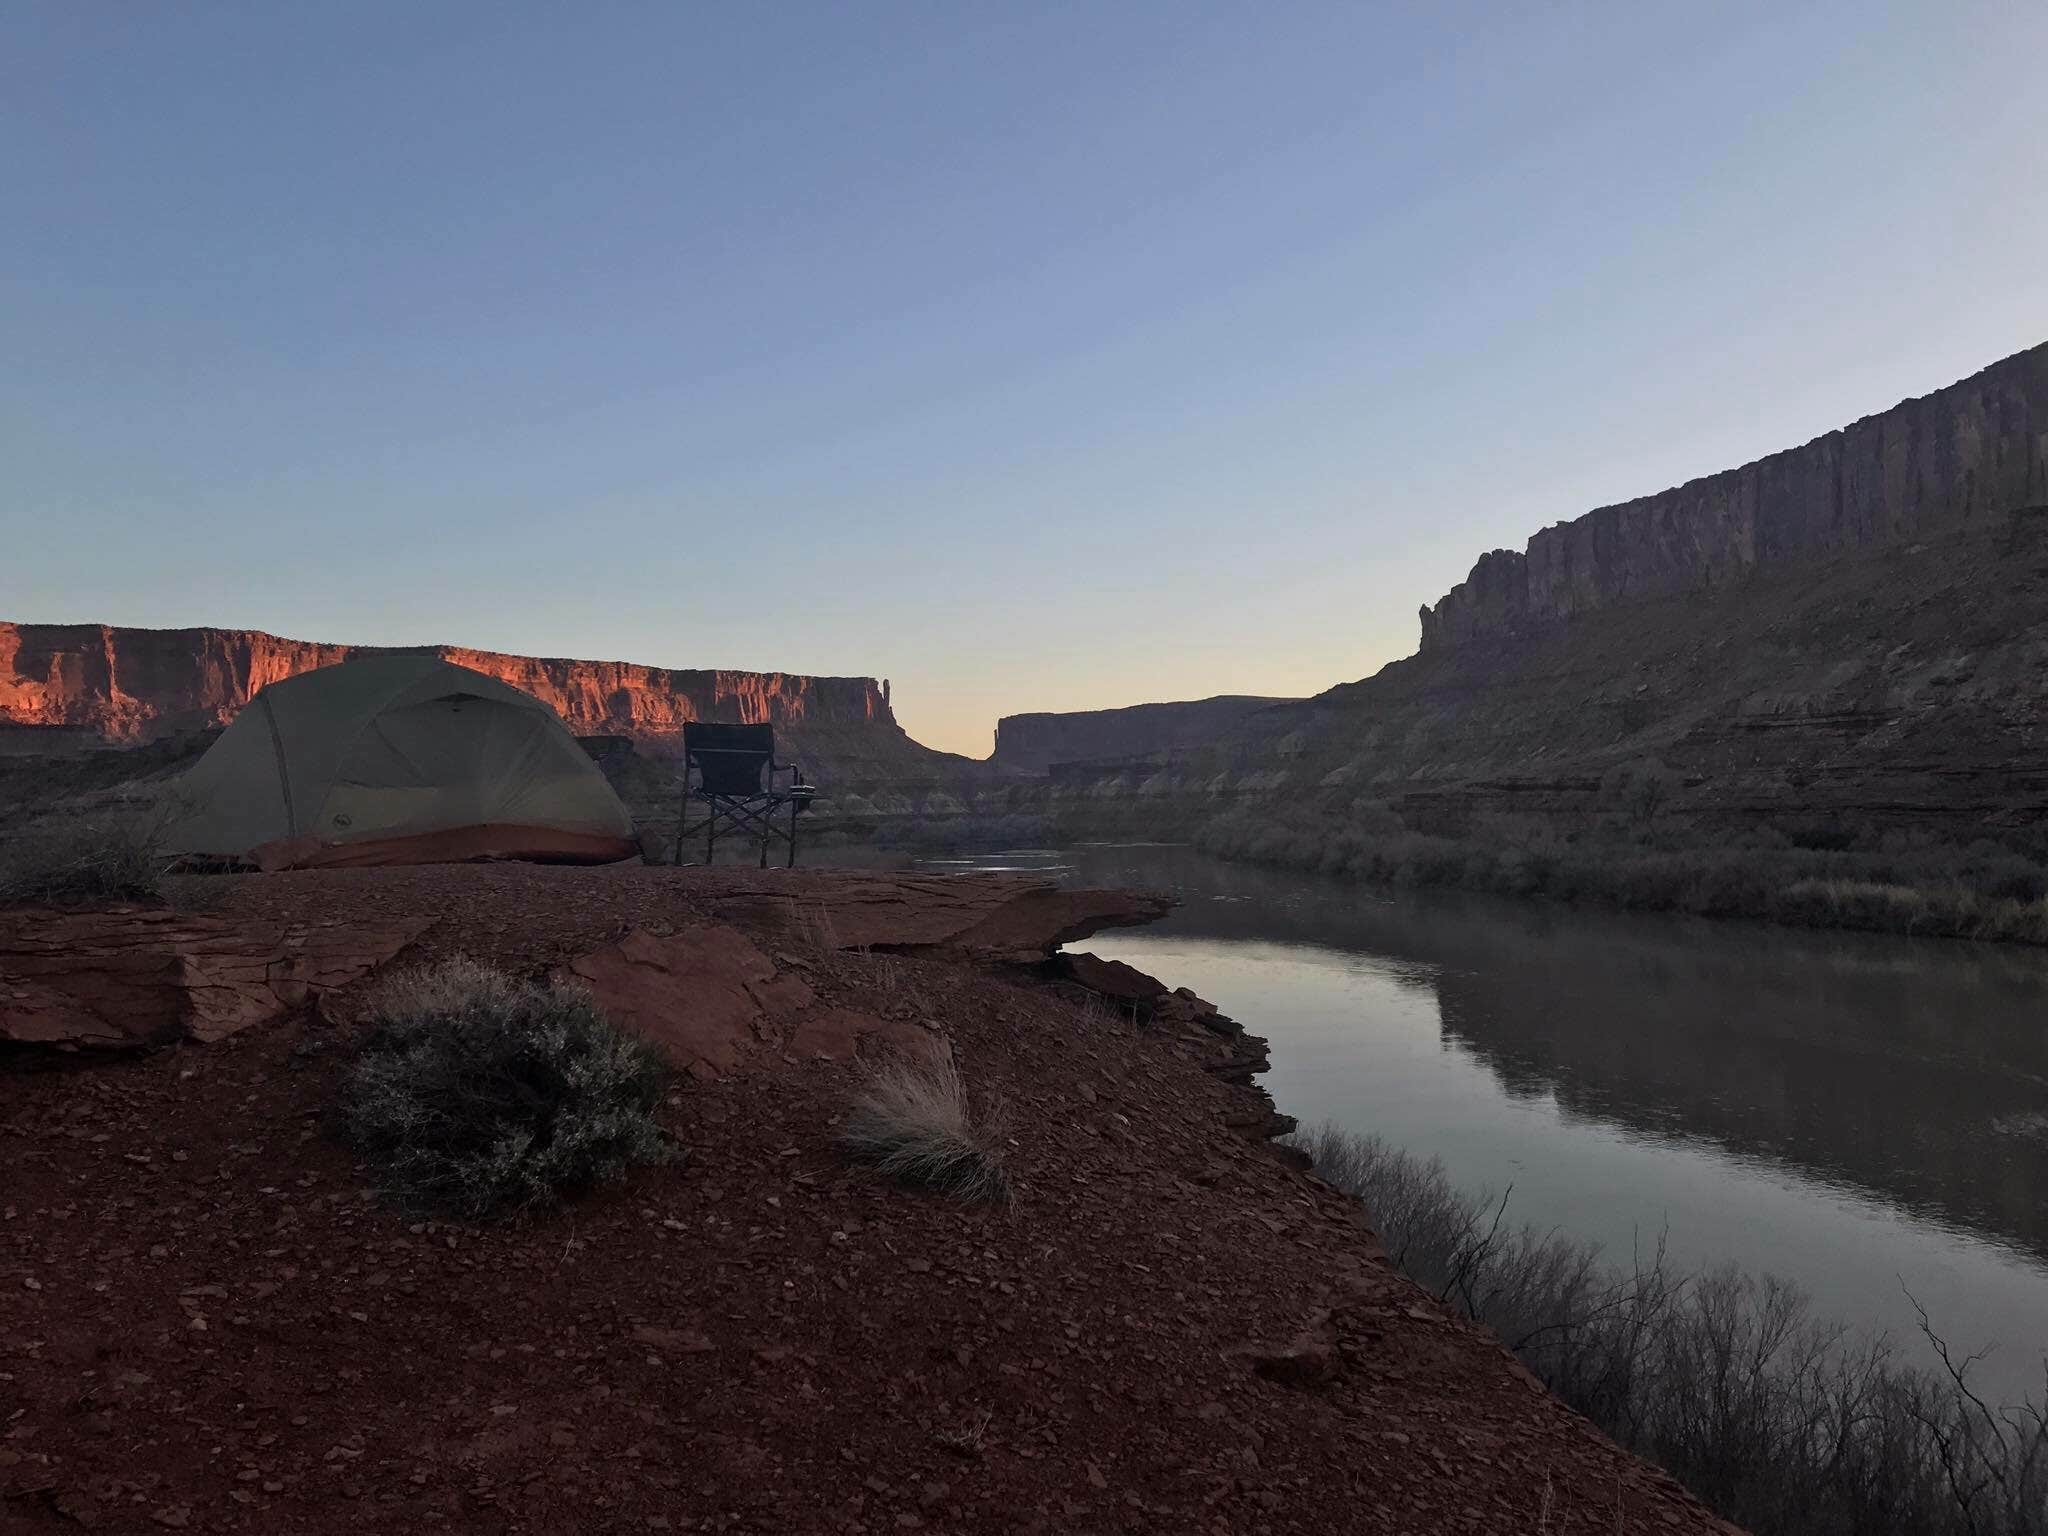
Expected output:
(1033, 356)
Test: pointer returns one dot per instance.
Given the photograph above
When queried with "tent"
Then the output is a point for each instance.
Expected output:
(397, 759)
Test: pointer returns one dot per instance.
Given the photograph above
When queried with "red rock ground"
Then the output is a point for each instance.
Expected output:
(207, 1323)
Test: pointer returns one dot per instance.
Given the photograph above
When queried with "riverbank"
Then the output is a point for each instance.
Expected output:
(1636, 1074)
(1789, 1422)
(1812, 877)
(208, 1323)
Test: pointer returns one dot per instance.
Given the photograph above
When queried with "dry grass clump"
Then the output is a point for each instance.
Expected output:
(913, 1123)
(1948, 910)
(106, 856)
(483, 1095)
(1785, 1424)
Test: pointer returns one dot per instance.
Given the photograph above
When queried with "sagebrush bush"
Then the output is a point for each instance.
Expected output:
(110, 855)
(482, 1095)
(1784, 1424)
(912, 1122)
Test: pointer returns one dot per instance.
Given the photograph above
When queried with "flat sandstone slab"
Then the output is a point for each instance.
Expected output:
(711, 1002)
(133, 977)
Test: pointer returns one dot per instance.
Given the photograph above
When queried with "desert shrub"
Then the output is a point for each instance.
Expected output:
(912, 1122)
(1782, 1423)
(1640, 789)
(1857, 904)
(1374, 818)
(1725, 887)
(482, 1095)
(1825, 834)
(110, 855)
(2002, 874)
(1889, 882)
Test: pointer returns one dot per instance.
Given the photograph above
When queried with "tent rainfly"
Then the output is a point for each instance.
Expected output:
(398, 759)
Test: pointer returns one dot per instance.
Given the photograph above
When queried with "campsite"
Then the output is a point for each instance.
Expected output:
(260, 1333)
(1024, 770)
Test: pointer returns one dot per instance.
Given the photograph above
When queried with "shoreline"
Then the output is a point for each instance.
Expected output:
(1783, 888)
(1168, 1329)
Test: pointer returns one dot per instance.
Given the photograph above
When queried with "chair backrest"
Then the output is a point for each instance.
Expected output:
(730, 759)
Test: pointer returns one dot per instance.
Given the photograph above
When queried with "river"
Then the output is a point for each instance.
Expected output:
(1864, 1115)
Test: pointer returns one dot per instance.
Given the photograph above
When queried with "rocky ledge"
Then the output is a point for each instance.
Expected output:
(129, 977)
(136, 977)
(207, 1322)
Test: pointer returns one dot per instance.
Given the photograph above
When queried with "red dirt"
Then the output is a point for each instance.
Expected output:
(207, 1323)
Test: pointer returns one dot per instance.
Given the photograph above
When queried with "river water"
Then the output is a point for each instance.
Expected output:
(1864, 1115)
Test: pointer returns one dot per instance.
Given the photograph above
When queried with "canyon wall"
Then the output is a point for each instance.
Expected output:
(1974, 451)
(1902, 688)
(124, 686)
(1033, 743)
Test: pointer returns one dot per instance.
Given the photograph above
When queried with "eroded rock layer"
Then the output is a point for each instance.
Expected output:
(135, 977)
(1000, 917)
(130, 685)
(1036, 743)
(1964, 455)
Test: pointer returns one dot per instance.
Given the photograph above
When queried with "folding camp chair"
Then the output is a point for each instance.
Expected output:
(735, 771)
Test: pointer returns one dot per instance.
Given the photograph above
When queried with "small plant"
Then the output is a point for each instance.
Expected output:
(912, 1123)
(1785, 1424)
(111, 855)
(1640, 788)
(483, 1095)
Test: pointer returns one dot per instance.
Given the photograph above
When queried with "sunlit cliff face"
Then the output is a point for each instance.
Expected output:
(132, 684)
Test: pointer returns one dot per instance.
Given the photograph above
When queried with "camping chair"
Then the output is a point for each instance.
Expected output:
(736, 768)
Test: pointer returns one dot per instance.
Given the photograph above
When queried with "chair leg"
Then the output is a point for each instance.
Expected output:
(682, 817)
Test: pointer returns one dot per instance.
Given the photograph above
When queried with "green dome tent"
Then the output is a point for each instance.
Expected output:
(398, 759)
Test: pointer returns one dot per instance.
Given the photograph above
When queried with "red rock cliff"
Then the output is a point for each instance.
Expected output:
(1973, 451)
(130, 685)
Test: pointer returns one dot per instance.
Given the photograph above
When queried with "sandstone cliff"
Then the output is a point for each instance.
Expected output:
(1903, 687)
(131, 685)
(1851, 637)
(1034, 743)
(1961, 456)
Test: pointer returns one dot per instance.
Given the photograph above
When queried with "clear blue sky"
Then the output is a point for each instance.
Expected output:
(1035, 356)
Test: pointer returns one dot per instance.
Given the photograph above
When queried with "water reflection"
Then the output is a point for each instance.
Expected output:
(1862, 1113)
(1916, 1070)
